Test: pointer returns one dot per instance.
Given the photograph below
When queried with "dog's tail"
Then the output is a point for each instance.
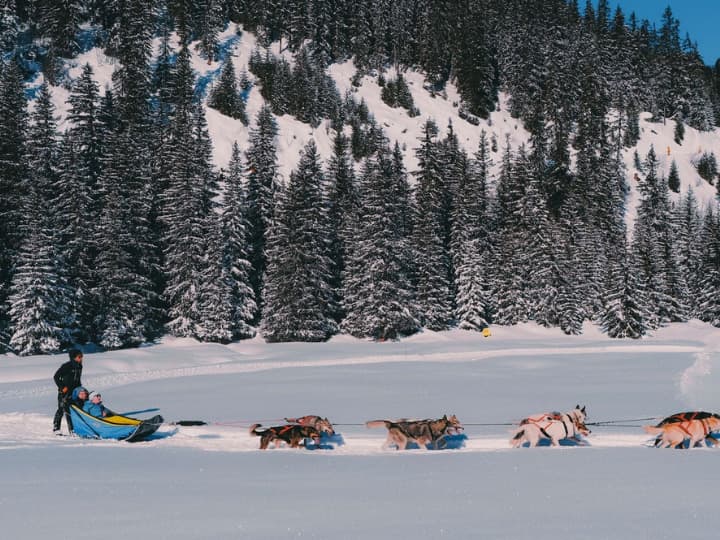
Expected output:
(516, 440)
(253, 430)
(378, 423)
(653, 430)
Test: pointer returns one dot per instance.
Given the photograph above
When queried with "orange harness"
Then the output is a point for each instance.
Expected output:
(543, 422)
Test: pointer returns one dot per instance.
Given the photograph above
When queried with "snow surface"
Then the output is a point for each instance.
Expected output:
(212, 482)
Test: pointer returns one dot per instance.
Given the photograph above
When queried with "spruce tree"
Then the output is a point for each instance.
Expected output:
(234, 249)
(262, 188)
(13, 134)
(41, 309)
(36, 300)
(709, 295)
(297, 293)
(225, 97)
(687, 225)
(377, 291)
(654, 250)
(342, 206)
(78, 210)
(213, 21)
(471, 243)
(185, 207)
(429, 235)
(674, 177)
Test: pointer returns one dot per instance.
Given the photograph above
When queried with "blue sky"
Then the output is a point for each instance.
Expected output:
(699, 18)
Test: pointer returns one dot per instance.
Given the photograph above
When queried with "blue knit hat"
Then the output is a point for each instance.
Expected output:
(76, 392)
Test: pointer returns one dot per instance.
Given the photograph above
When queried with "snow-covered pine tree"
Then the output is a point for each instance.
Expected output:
(509, 283)
(11, 26)
(234, 248)
(297, 293)
(377, 293)
(709, 295)
(429, 234)
(575, 276)
(262, 188)
(125, 293)
(687, 224)
(59, 24)
(130, 40)
(42, 309)
(625, 311)
(78, 208)
(161, 83)
(215, 303)
(213, 21)
(225, 97)
(307, 81)
(537, 235)
(471, 243)
(674, 177)
(13, 133)
(37, 309)
(654, 250)
(342, 206)
(185, 206)
(128, 259)
(476, 69)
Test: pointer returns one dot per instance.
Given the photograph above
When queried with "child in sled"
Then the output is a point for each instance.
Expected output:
(95, 407)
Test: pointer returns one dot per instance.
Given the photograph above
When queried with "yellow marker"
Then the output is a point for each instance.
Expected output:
(486, 332)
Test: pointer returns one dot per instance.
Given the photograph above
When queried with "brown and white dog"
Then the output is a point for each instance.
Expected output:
(422, 432)
(696, 427)
(321, 424)
(554, 426)
(293, 434)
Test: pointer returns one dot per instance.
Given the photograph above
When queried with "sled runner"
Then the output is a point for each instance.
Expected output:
(122, 428)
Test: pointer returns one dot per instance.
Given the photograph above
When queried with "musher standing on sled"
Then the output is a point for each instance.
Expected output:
(67, 378)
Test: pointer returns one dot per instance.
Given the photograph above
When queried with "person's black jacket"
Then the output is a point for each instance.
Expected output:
(68, 376)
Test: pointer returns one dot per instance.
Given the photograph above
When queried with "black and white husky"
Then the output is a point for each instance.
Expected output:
(554, 426)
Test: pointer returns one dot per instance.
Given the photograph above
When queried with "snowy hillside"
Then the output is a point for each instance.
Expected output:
(398, 126)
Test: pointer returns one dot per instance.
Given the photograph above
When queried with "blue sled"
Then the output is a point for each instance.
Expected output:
(448, 442)
(327, 442)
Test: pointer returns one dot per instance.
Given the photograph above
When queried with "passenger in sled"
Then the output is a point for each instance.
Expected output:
(94, 406)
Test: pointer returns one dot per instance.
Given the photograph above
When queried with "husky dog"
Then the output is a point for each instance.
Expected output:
(321, 424)
(554, 426)
(292, 434)
(695, 426)
(422, 432)
(576, 415)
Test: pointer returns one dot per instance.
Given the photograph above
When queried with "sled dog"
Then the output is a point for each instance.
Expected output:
(321, 424)
(422, 432)
(578, 414)
(292, 434)
(674, 430)
(554, 426)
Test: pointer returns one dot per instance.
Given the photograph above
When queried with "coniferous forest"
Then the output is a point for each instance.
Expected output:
(118, 229)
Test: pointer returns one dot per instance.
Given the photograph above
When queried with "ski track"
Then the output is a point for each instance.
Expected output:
(20, 431)
(101, 382)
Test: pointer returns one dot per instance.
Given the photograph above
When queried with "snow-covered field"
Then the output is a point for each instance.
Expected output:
(212, 481)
